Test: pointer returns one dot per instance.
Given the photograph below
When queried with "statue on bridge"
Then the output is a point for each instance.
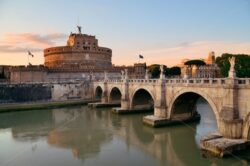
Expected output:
(232, 73)
(147, 74)
(162, 72)
(126, 74)
(122, 74)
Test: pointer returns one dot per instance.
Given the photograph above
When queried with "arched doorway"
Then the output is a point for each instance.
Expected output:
(115, 95)
(98, 93)
(142, 99)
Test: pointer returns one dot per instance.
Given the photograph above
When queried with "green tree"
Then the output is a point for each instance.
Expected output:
(242, 64)
(2, 73)
(155, 70)
(197, 62)
(173, 71)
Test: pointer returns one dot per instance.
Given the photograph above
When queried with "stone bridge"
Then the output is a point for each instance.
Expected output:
(175, 100)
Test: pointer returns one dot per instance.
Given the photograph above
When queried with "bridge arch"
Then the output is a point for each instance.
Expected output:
(142, 98)
(182, 103)
(115, 95)
(98, 93)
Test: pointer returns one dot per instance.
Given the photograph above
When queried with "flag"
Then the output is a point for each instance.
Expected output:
(140, 56)
(30, 54)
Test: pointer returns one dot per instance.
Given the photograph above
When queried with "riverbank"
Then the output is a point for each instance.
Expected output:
(8, 107)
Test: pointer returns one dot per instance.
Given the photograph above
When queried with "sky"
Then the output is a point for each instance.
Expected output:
(163, 31)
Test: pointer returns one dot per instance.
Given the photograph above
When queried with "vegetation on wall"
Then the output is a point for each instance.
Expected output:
(242, 64)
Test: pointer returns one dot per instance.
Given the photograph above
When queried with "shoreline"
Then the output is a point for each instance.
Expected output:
(11, 107)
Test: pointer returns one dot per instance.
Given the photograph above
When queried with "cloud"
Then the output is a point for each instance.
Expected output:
(14, 43)
(193, 50)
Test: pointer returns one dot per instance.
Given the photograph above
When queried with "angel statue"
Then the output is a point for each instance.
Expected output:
(122, 74)
(161, 70)
(232, 62)
(232, 73)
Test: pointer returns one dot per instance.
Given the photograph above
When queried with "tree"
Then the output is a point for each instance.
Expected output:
(242, 64)
(173, 71)
(195, 62)
(155, 70)
(2, 72)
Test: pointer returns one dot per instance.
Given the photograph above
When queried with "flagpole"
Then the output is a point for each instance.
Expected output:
(28, 60)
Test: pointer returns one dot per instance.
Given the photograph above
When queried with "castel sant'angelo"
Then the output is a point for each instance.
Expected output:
(82, 51)
(81, 59)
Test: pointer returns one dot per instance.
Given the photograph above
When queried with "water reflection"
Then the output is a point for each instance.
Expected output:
(82, 132)
(208, 121)
(98, 137)
(30, 125)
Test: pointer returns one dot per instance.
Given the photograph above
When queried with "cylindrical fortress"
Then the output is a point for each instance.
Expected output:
(81, 51)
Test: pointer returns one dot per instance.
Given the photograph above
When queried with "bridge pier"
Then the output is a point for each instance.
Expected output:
(233, 131)
(230, 124)
(160, 117)
(104, 98)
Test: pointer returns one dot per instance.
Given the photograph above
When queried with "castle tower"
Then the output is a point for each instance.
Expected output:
(81, 52)
(194, 69)
(211, 58)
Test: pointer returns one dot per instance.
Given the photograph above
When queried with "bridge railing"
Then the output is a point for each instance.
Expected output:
(197, 81)
(243, 81)
(143, 80)
(211, 81)
(194, 81)
(130, 81)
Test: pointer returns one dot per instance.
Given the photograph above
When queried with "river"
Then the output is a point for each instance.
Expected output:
(77, 136)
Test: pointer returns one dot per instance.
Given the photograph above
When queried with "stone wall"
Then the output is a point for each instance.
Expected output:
(65, 91)
(27, 75)
(10, 93)
(24, 92)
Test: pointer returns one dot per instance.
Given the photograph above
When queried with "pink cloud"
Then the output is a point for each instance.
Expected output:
(28, 41)
(173, 55)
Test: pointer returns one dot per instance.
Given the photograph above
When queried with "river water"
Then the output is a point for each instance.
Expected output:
(77, 136)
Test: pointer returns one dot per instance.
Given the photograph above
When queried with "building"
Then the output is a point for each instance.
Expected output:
(82, 51)
(81, 59)
(209, 70)
(138, 71)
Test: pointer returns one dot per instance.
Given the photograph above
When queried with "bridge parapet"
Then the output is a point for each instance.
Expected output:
(195, 81)
(130, 81)
(211, 81)
(198, 81)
